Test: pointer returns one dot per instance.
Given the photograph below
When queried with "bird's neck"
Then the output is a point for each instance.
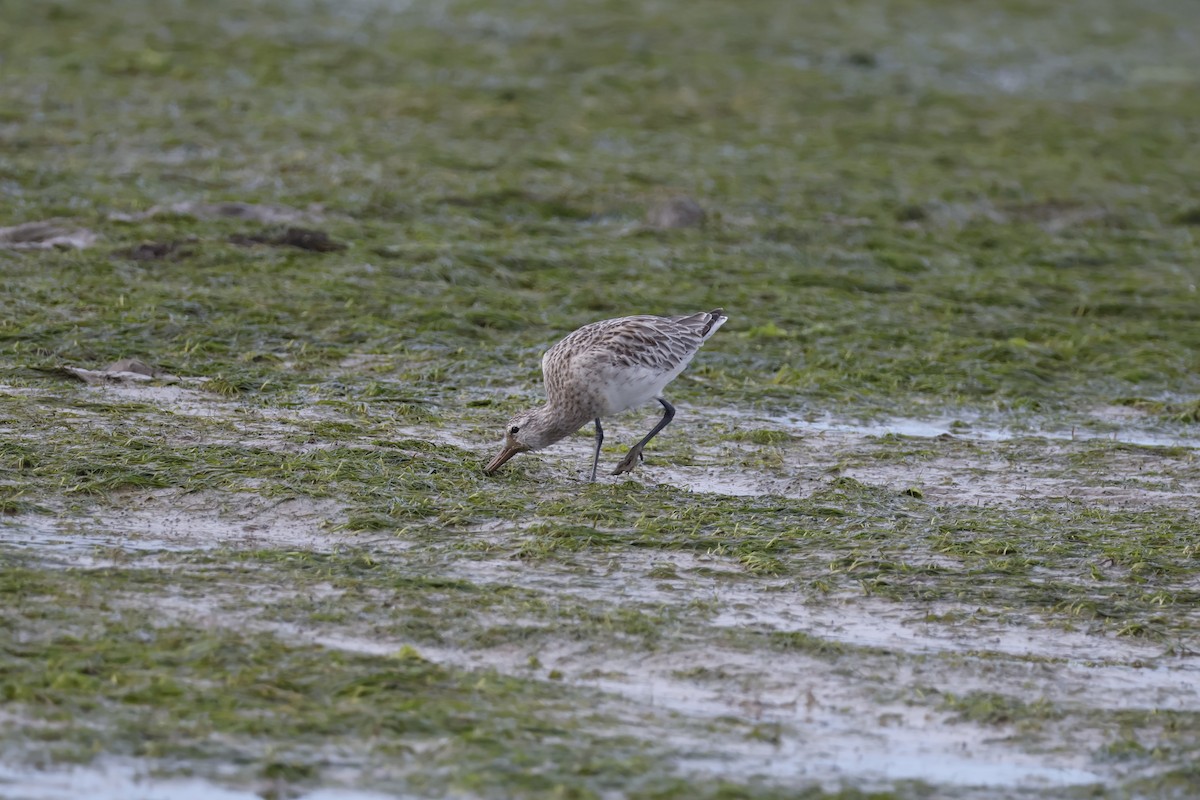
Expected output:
(561, 422)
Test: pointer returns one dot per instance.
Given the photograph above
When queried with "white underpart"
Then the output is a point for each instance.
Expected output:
(630, 387)
(635, 386)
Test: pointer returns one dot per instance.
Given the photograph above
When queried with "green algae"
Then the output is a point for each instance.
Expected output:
(913, 209)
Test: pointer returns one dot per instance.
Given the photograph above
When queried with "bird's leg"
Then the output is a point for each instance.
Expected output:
(635, 453)
(599, 441)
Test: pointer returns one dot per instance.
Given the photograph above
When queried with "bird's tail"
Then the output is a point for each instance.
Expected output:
(716, 318)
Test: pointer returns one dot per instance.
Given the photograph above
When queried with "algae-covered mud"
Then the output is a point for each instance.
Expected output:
(273, 275)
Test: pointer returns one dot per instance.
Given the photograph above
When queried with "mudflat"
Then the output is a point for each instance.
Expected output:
(273, 276)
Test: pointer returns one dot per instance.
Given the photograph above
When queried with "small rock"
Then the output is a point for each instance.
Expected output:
(862, 58)
(911, 213)
(676, 212)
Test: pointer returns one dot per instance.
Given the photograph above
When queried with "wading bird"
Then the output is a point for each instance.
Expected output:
(603, 369)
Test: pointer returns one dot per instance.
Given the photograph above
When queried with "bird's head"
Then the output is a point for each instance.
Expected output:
(529, 430)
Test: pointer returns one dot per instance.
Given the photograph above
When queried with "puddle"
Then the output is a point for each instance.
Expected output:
(974, 431)
(829, 724)
(983, 464)
(719, 583)
(825, 728)
(909, 760)
(120, 781)
(989, 465)
(168, 522)
(73, 541)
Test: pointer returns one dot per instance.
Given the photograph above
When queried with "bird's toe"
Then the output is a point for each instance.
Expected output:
(629, 462)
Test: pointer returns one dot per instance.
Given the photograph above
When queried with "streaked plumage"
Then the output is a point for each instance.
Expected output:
(603, 369)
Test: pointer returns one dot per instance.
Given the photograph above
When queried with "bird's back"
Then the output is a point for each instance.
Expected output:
(620, 363)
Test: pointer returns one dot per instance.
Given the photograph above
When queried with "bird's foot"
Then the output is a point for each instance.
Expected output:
(630, 461)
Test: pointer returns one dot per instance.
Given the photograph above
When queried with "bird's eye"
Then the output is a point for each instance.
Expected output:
(514, 429)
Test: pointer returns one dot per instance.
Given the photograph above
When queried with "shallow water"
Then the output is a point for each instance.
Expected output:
(127, 781)
(829, 721)
(981, 431)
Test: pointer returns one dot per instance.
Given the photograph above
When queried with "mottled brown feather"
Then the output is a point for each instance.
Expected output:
(605, 368)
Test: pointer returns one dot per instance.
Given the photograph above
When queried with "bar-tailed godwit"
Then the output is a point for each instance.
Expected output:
(603, 369)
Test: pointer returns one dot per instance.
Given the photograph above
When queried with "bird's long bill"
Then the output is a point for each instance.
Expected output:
(508, 452)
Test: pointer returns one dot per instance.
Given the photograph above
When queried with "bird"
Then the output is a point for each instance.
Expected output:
(605, 368)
